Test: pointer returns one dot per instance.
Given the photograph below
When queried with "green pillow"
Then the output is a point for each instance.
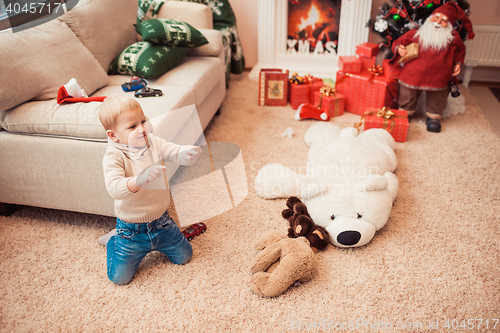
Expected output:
(148, 9)
(170, 32)
(147, 60)
(223, 15)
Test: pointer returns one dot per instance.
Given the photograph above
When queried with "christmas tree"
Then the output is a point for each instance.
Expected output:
(400, 16)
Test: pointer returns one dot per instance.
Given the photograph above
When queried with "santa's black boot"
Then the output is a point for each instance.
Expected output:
(433, 125)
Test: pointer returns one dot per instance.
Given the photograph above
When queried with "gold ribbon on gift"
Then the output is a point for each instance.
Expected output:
(376, 70)
(385, 113)
(327, 90)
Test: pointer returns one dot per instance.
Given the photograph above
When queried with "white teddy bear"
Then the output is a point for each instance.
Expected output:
(349, 187)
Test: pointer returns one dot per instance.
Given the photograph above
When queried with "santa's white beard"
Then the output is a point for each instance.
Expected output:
(432, 37)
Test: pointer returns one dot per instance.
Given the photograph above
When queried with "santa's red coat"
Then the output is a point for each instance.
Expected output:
(433, 69)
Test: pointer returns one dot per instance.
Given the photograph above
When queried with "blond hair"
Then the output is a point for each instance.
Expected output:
(112, 107)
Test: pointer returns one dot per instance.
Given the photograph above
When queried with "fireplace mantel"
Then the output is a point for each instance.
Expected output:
(272, 39)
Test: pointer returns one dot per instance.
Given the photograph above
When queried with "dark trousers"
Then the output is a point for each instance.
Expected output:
(435, 101)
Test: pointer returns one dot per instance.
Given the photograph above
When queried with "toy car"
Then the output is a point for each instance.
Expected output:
(194, 230)
(135, 83)
(148, 92)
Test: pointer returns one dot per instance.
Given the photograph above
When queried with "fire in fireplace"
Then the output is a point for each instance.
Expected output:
(313, 26)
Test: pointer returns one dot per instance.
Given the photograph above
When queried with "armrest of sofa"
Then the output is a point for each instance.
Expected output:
(214, 48)
(196, 14)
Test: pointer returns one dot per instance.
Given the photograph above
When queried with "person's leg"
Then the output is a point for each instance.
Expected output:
(435, 104)
(172, 242)
(408, 98)
(125, 251)
(103, 240)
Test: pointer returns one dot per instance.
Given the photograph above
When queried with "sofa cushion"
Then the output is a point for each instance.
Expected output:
(200, 74)
(147, 60)
(38, 61)
(170, 32)
(105, 27)
(80, 120)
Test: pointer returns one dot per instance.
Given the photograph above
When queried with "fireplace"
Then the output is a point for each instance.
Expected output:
(313, 27)
(308, 36)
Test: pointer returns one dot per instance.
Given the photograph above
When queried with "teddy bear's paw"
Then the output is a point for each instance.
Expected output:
(257, 281)
(302, 225)
(277, 181)
(321, 131)
(349, 131)
(261, 284)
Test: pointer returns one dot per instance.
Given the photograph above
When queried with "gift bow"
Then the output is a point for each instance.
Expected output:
(308, 78)
(385, 113)
(376, 70)
(327, 91)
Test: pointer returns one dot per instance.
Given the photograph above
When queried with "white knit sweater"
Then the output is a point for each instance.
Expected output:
(122, 162)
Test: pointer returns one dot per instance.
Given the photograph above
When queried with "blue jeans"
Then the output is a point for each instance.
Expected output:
(134, 241)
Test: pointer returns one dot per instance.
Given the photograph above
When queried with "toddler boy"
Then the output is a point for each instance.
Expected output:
(133, 172)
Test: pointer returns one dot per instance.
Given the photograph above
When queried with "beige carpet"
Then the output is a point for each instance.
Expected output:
(437, 259)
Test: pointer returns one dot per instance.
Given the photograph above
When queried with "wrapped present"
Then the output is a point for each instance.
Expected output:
(303, 92)
(391, 70)
(273, 87)
(329, 100)
(366, 91)
(393, 121)
(412, 53)
(367, 50)
(349, 64)
(367, 63)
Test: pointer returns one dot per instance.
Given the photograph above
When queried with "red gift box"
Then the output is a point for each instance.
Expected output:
(367, 50)
(364, 91)
(330, 101)
(273, 87)
(392, 120)
(367, 63)
(304, 92)
(350, 64)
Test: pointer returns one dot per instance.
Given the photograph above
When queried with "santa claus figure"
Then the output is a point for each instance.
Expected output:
(440, 59)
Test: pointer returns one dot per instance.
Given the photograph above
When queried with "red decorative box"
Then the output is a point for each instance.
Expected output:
(391, 70)
(367, 63)
(392, 120)
(273, 87)
(350, 64)
(367, 50)
(364, 91)
(304, 92)
(330, 101)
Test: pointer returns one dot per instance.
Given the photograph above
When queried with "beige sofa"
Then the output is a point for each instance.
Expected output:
(50, 154)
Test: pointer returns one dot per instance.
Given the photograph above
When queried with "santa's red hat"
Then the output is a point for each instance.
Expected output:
(309, 111)
(72, 92)
(453, 12)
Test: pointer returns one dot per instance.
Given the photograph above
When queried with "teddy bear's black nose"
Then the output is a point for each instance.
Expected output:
(348, 238)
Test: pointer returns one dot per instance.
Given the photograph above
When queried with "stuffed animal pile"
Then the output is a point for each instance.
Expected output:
(349, 187)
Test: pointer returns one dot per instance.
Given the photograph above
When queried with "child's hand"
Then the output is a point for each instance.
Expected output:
(190, 154)
(149, 175)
